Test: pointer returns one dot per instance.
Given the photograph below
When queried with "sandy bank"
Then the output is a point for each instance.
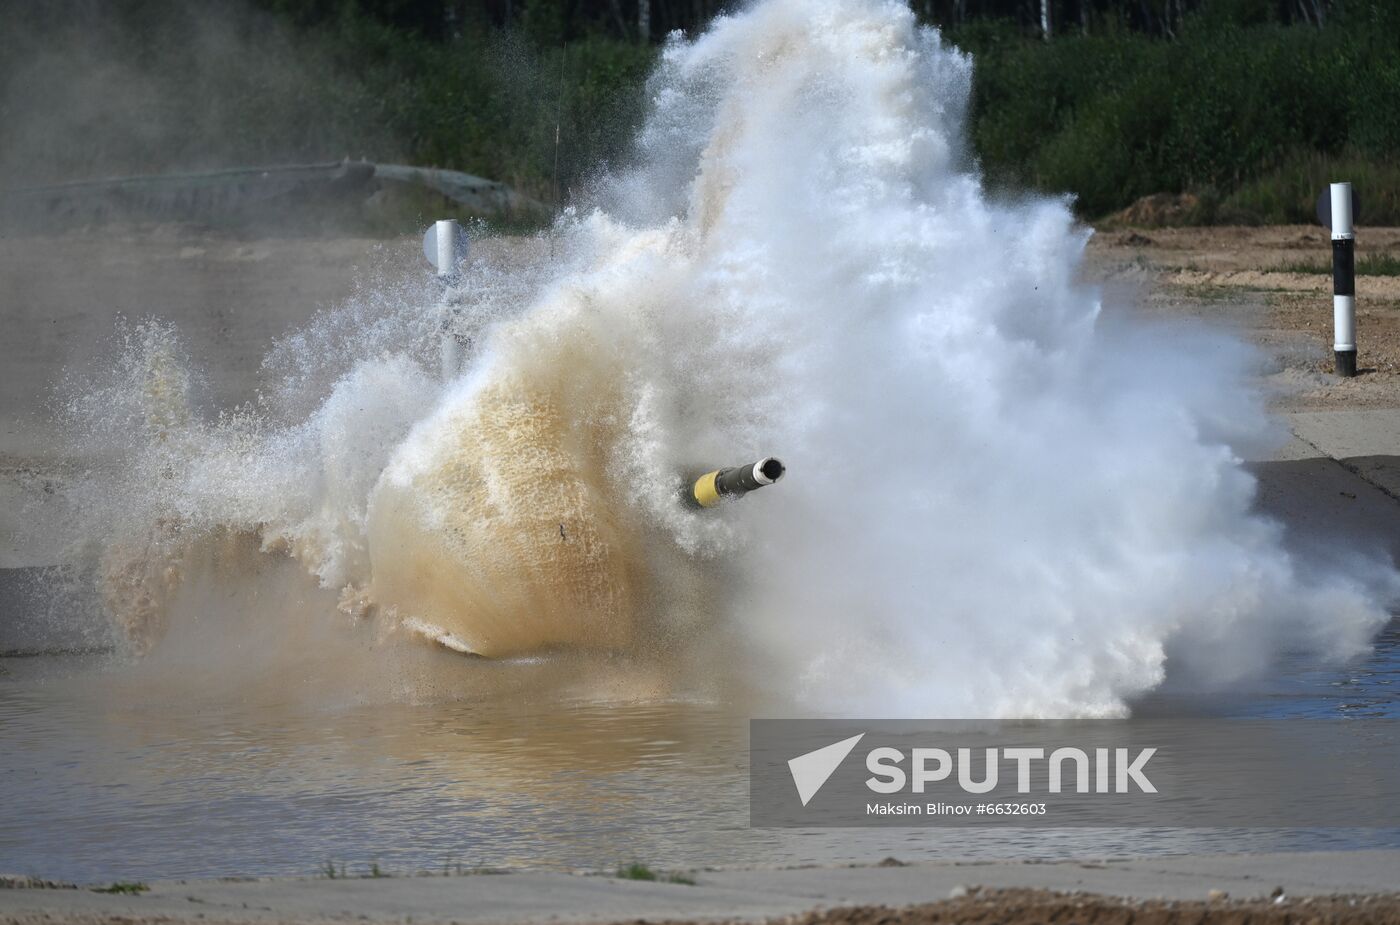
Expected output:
(1107, 891)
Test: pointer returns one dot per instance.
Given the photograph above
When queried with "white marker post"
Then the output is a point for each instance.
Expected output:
(1343, 281)
(445, 245)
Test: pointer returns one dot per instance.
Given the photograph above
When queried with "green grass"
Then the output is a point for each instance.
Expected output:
(637, 871)
(1287, 193)
(1305, 268)
(1369, 265)
(330, 871)
(124, 888)
(1378, 265)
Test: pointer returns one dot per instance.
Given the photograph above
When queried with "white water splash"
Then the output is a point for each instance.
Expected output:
(998, 502)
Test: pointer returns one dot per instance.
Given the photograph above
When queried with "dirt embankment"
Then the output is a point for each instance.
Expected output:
(1032, 907)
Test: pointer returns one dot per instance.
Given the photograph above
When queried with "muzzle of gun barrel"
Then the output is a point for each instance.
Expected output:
(734, 482)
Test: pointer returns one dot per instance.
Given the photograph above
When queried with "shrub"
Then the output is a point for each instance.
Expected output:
(1261, 112)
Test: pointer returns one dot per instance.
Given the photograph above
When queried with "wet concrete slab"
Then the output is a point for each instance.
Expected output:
(1329, 505)
(1367, 442)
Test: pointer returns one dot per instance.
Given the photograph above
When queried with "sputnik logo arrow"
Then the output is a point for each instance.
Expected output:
(811, 771)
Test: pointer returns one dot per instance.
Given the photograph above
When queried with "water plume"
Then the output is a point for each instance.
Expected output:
(1000, 502)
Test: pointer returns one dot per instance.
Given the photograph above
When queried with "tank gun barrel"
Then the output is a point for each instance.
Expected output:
(733, 482)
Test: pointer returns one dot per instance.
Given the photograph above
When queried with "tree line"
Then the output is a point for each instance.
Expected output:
(652, 20)
(1249, 105)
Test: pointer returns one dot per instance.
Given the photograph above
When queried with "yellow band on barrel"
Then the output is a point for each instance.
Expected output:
(706, 492)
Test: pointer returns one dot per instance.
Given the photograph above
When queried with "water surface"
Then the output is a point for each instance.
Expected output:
(112, 770)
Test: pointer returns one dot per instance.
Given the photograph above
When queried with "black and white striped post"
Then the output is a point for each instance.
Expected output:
(1343, 280)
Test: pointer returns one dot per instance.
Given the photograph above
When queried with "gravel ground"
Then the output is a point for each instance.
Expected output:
(1273, 285)
(1033, 907)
